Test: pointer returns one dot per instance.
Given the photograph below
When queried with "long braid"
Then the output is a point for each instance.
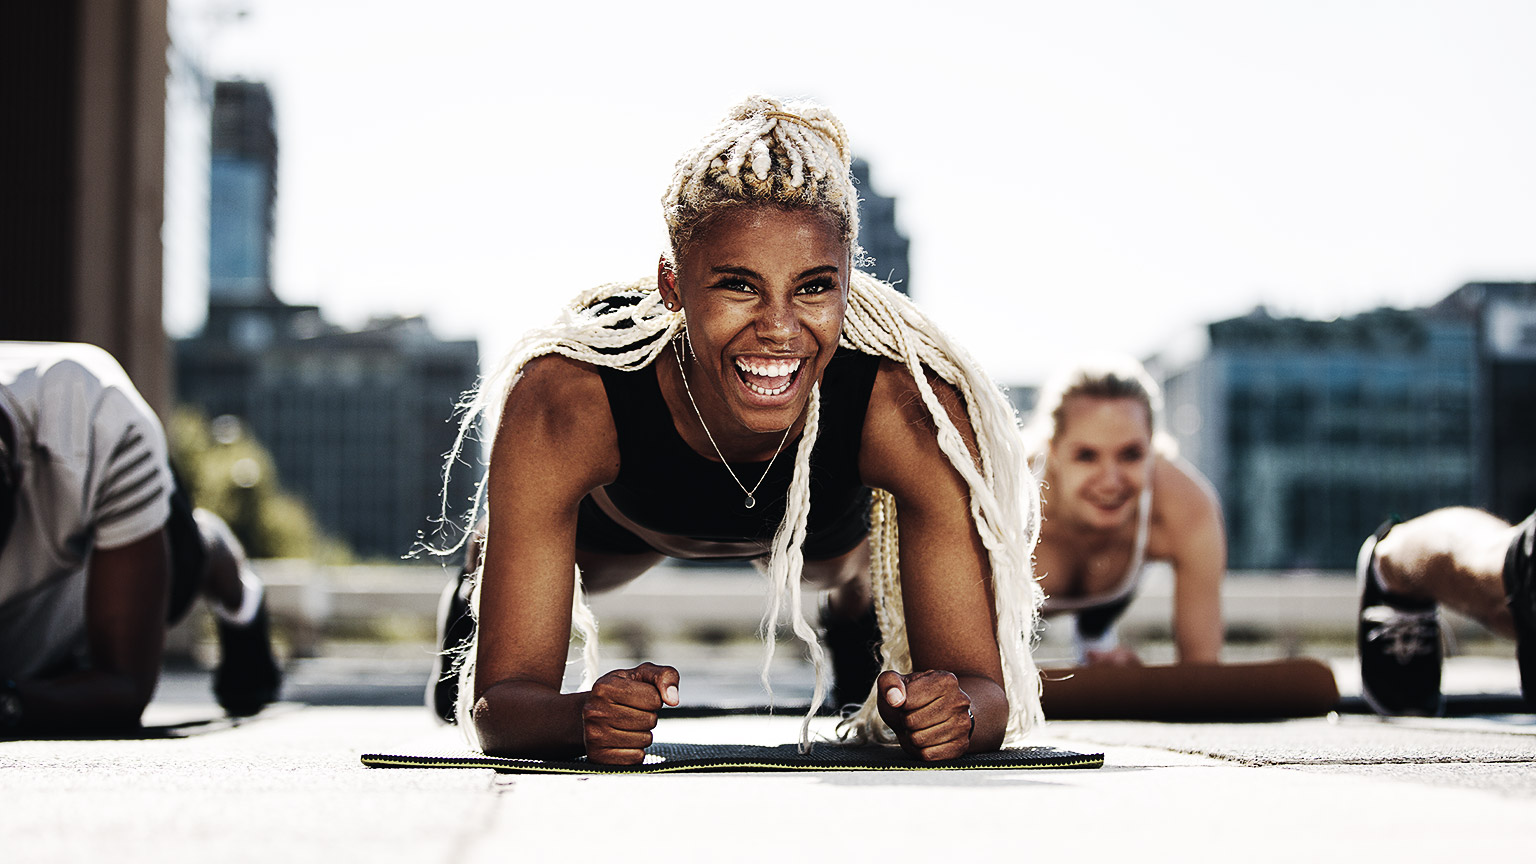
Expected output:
(595, 329)
(1005, 513)
(786, 563)
(797, 155)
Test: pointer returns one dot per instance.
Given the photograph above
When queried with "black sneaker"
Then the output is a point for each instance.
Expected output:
(455, 628)
(248, 678)
(1520, 594)
(854, 644)
(1399, 642)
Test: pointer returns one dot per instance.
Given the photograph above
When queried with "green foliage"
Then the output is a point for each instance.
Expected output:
(230, 473)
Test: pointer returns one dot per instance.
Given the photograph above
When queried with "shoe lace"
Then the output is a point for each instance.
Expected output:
(1403, 635)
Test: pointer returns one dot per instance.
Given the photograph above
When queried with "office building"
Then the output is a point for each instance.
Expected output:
(1315, 431)
(357, 421)
(1503, 317)
(878, 235)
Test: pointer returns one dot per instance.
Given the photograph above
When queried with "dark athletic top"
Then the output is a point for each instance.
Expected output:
(666, 487)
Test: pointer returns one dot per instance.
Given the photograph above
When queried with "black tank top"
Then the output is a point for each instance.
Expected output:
(664, 486)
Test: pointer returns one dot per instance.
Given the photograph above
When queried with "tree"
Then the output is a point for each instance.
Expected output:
(230, 473)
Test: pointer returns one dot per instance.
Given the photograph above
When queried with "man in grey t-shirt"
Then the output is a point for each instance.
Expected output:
(99, 550)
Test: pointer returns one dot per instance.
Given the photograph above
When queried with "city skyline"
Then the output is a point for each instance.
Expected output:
(1106, 176)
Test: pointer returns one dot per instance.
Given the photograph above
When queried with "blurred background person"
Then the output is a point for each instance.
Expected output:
(1466, 559)
(99, 550)
(1117, 497)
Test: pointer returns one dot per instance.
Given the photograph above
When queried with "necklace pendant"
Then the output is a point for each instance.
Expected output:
(751, 499)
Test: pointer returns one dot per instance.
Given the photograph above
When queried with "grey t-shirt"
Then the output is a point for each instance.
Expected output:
(94, 475)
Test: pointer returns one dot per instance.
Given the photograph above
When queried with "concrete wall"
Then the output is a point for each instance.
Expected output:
(82, 213)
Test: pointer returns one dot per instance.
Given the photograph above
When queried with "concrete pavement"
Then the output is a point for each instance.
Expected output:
(287, 786)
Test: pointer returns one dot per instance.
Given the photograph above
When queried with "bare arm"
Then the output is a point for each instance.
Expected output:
(1189, 518)
(945, 576)
(556, 443)
(127, 590)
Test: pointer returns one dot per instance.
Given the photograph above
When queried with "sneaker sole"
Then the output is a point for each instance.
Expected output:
(1362, 573)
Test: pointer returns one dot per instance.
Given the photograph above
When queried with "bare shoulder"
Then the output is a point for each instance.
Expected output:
(555, 389)
(557, 410)
(1180, 491)
(897, 396)
(1185, 508)
(899, 431)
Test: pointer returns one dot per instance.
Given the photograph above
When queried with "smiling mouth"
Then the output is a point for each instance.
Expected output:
(768, 377)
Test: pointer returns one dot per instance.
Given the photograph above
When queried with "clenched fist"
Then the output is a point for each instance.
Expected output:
(621, 710)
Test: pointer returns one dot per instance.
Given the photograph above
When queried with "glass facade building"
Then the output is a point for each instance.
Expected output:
(358, 422)
(1314, 432)
(242, 192)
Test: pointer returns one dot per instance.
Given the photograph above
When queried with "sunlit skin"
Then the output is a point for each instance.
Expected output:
(764, 292)
(1099, 463)
(1453, 556)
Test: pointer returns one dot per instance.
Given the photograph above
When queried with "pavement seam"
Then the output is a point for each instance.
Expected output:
(1264, 763)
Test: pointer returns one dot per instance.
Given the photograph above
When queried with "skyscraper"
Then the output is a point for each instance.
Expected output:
(242, 193)
(1503, 316)
(357, 421)
(878, 234)
(1314, 432)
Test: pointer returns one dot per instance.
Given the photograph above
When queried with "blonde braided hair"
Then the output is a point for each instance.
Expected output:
(796, 155)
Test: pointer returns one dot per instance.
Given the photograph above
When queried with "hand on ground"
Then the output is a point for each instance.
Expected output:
(621, 710)
(929, 713)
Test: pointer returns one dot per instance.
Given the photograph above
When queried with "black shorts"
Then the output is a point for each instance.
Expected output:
(1520, 579)
(188, 555)
(1094, 621)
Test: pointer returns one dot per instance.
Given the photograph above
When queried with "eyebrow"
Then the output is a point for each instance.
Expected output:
(748, 272)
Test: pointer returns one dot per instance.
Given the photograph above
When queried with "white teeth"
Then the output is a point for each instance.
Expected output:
(768, 368)
(759, 368)
(765, 391)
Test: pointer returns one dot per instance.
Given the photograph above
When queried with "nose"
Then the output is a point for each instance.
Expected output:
(1111, 475)
(777, 322)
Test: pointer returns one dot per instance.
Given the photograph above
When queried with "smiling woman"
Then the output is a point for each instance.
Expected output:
(1117, 496)
(651, 419)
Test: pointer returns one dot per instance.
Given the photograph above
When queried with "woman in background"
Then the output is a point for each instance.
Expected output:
(1117, 498)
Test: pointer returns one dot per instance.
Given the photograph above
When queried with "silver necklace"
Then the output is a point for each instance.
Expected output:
(750, 493)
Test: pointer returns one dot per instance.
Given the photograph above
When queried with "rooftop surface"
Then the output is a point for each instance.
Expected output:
(288, 786)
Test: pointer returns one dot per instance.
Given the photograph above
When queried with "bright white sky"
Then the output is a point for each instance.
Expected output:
(1072, 175)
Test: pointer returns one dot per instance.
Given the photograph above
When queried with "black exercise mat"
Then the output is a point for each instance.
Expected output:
(700, 758)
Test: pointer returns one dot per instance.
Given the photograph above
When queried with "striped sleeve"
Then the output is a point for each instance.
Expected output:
(132, 494)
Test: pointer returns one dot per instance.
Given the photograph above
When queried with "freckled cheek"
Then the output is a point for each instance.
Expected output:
(716, 331)
(828, 325)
